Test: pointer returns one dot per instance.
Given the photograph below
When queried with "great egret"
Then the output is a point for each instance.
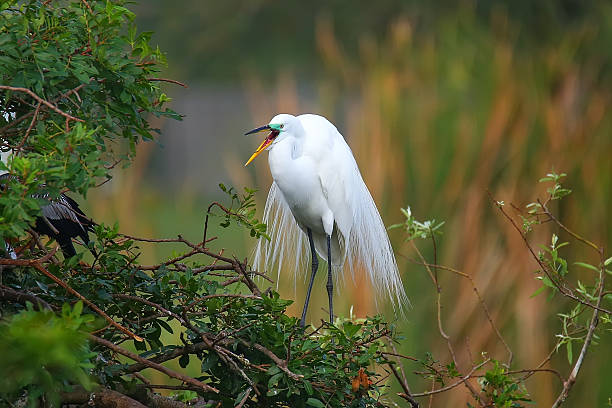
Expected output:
(318, 189)
(60, 219)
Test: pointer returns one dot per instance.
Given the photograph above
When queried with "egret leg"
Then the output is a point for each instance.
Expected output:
(330, 282)
(315, 266)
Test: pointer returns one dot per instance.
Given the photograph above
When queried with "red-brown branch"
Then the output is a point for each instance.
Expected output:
(155, 366)
(41, 100)
(37, 264)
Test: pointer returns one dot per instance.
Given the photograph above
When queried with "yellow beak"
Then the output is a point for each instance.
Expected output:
(263, 144)
(260, 149)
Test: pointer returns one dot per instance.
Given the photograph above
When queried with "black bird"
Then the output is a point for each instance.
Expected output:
(61, 219)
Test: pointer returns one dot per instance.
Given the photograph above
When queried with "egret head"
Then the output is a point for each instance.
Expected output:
(279, 127)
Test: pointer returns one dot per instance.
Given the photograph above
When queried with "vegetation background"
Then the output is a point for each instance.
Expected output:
(440, 102)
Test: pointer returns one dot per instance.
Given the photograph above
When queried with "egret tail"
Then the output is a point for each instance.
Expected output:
(367, 246)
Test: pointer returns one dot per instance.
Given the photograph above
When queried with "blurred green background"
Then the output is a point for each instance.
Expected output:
(440, 102)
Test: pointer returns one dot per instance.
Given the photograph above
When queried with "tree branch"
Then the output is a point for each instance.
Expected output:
(153, 365)
(41, 100)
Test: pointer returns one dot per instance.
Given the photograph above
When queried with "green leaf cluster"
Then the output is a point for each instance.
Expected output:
(43, 351)
(418, 229)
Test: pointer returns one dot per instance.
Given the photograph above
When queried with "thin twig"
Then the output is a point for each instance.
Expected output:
(245, 398)
(21, 297)
(41, 100)
(440, 328)
(407, 395)
(561, 289)
(29, 129)
(151, 364)
(453, 385)
(480, 300)
(37, 264)
(567, 385)
(172, 81)
(282, 364)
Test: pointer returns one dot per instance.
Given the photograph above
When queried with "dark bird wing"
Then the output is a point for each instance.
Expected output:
(61, 218)
(68, 220)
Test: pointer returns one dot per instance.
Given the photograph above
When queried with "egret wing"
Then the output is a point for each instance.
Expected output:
(366, 243)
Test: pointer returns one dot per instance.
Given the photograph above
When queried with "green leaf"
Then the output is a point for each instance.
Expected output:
(273, 381)
(308, 387)
(588, 266)
(350, 329)
(537, 291)
(313, 402)
(210, 361)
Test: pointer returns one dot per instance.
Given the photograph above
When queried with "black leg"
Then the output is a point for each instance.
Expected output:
(315, 266)
(330, 283)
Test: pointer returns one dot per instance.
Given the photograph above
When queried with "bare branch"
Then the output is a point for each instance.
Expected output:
(172, 81)
(569, 383)
(41, 100)
(37, 264)
(153, 365)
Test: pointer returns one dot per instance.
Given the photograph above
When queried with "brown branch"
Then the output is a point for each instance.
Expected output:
(245, 398)
(149, 303)
(12, 295)
(41, 100)
(100, 399)
(407, 395)
(221, 336)
(219, 295)
(88, 6)
(169, 262)
(29, 129)
(175, 240)
(480, 300)
(172, 81)
(282, 364)
(170, 355)
(572, 233)
(37, 264)
(453, 385)
(386, 353)
(531, 371)
(247, 279)
(153, 365)
(440, 328)
(561, 289)
(567, 385)
(95, 308)
(27, 115)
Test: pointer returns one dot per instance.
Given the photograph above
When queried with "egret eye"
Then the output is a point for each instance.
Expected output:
(282, 126)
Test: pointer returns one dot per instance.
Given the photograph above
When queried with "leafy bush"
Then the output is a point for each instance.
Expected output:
(41, 350)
